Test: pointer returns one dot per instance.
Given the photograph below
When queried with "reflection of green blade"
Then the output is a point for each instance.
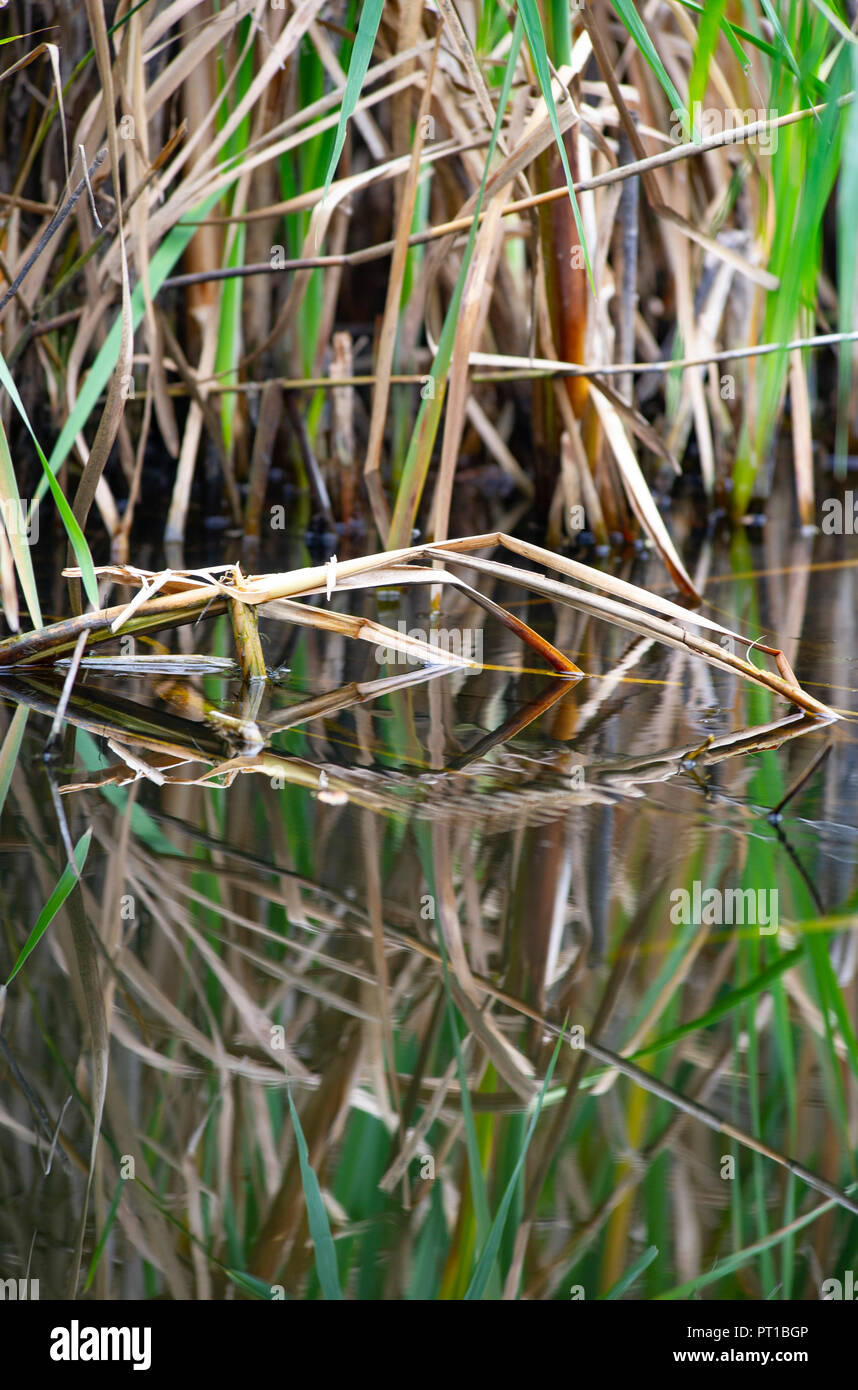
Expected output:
(10, 750)
(485, 1265)
(741, 1257)
(626, 1280)
(165, 665)
(317, 1217)
(67, 881)
(751, 990)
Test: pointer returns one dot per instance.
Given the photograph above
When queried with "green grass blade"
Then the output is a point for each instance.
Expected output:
(835, 21)
(734, 32)
(785, 51)
(228, 349)
(560, 29)
(732, 36)
(417, 459)
(73, 531)
(796, 260)
(704, 49)
(529, 13)
(784, 44)
(317, 1217)
(635, 26)
(364, 43)
(486, 1262)
(13, 515)
(160, 266)
(66, 883)
(427, 1260)
(831, 997)
(847, 267)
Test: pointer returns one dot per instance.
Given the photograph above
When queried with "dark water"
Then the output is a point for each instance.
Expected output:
(264, 905)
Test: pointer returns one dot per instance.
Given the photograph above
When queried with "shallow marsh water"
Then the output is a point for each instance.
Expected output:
(281, 925)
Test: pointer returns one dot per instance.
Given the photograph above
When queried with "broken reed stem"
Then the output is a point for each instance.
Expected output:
(643, 623)
(245, 630)
(170, 610)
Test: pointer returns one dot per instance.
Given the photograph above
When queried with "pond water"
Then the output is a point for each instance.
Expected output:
(303, 898)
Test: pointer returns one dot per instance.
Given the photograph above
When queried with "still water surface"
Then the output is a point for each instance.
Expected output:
(269, 914)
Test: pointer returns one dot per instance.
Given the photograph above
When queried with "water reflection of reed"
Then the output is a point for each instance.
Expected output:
(276, 907)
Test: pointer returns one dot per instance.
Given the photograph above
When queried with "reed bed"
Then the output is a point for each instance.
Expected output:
(364, 244)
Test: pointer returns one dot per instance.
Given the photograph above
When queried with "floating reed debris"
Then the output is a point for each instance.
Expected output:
(184, 596)
(161, 664)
